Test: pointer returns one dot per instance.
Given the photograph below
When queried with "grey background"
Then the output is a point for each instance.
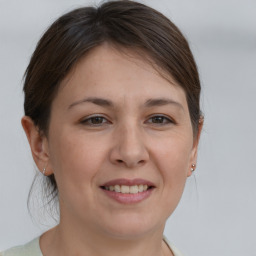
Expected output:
(217, 214)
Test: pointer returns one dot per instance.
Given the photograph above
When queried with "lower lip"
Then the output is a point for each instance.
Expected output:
(128, 198)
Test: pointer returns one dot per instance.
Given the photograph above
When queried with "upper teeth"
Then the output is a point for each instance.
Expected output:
(127, 189)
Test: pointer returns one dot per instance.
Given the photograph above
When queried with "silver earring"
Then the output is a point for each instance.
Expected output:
(193, 167)
(44, 170)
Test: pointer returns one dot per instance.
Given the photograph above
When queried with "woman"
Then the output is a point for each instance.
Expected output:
(112, 117)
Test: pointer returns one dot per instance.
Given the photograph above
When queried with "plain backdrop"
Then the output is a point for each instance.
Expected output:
(217, 214)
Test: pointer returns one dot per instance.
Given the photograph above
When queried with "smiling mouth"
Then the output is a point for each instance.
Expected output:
(124, 189)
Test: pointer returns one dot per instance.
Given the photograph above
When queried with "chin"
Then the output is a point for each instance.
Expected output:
(133, 227)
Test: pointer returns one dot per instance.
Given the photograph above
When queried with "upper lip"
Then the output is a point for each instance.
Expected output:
(128, 182)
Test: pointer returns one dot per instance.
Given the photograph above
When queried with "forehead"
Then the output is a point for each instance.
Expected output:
(118, 73)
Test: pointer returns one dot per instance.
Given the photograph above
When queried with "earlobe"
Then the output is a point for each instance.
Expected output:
(191, 170)
(37, 141)
(193, 159)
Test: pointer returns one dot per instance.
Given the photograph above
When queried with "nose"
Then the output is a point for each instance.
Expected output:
(129, 148)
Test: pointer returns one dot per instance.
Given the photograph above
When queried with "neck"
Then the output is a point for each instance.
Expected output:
(74, 240)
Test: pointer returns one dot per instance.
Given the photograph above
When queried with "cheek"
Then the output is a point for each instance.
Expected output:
(75, 159)
(174, 169)
(173, 159)
(174, 154)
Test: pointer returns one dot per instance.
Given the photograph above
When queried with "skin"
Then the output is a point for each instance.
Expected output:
(130, 140)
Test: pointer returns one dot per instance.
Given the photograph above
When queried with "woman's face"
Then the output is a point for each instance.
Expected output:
(120, 144)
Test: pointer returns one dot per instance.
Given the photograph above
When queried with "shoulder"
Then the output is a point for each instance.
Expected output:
(30, 249)
(174, 250)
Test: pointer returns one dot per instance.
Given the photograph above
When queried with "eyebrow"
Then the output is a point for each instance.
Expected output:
(98, 101)
(161, 102)
(107, 103)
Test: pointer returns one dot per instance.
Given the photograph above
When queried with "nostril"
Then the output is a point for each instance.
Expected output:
(119, 161)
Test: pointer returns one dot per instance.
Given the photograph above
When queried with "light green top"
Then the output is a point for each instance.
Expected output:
(30, 249)
(33, 249)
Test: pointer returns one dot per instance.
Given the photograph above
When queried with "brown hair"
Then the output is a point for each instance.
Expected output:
(123, 23)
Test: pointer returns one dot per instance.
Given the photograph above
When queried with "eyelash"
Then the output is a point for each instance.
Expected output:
(88, 121)
(167, 120)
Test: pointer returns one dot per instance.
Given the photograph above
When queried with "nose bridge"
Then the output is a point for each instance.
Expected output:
(131, 138)
(130, 146)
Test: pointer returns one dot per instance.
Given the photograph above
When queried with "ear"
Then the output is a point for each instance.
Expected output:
(38, 143)
(193, 158)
